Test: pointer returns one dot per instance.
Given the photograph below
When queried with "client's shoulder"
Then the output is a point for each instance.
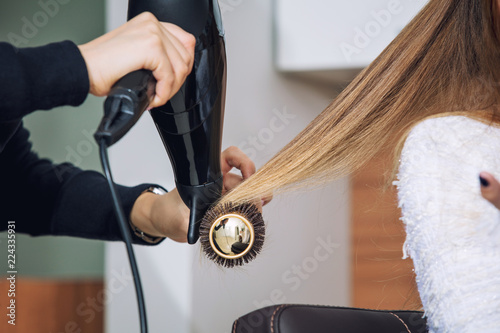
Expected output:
(452, 131)
(437, 127)
(450, 141)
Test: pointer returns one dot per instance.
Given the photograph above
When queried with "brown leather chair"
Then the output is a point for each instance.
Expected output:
(294, 318)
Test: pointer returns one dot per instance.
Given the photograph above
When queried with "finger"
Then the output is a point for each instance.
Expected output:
(170, 75)
(259, 206)
(165, 77)
(178, 64)
(177, 47)
(230, 181)
(187, 39)
(169, 69)
(184, 42)
(490, 188)
(233, 157)
(267, 199)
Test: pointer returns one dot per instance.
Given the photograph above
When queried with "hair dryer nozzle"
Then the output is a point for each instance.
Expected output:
(199, 199)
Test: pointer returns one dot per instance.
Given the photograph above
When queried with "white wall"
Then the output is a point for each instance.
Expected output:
(264, 110)
(347, 34)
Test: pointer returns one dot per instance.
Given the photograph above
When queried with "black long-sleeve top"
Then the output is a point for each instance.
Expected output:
(45, 198)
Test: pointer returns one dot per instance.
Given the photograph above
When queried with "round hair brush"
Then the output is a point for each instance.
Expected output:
(232, 235)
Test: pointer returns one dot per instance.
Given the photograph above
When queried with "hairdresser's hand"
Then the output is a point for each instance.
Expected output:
(233, 157)
(167, 215)
(161, 215)
(490, 188)
(141, 43)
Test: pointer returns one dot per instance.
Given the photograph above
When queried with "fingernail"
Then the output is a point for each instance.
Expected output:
(484, 182)
(262, 202)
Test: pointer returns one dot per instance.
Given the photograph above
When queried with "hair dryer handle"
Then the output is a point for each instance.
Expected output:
(126, 102)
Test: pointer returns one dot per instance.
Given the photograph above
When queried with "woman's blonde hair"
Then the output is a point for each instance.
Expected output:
(446, 60)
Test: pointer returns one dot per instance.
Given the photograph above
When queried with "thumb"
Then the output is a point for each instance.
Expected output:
(490, 188)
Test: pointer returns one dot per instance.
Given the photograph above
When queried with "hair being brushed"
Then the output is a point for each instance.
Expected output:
(445, 61)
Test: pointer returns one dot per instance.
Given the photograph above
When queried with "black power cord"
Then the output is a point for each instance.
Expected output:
(126, 101)
(125, 231)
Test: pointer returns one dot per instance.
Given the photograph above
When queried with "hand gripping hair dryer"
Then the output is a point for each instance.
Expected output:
(190, 124)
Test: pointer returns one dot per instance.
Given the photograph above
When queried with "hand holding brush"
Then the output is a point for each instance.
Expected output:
(167, 215)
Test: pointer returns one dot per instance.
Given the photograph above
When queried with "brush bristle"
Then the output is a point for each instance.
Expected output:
(248, 211)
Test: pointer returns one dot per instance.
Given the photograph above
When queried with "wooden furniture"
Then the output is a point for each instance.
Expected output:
(54, 306)
(381, 279)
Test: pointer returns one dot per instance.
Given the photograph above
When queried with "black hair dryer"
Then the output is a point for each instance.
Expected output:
(190, 124)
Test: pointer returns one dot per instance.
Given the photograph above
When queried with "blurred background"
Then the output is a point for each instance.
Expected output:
(337, 245)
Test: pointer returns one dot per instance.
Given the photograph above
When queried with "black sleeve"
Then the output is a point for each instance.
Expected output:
(40, 78)
(48, 199)
(44, 198)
